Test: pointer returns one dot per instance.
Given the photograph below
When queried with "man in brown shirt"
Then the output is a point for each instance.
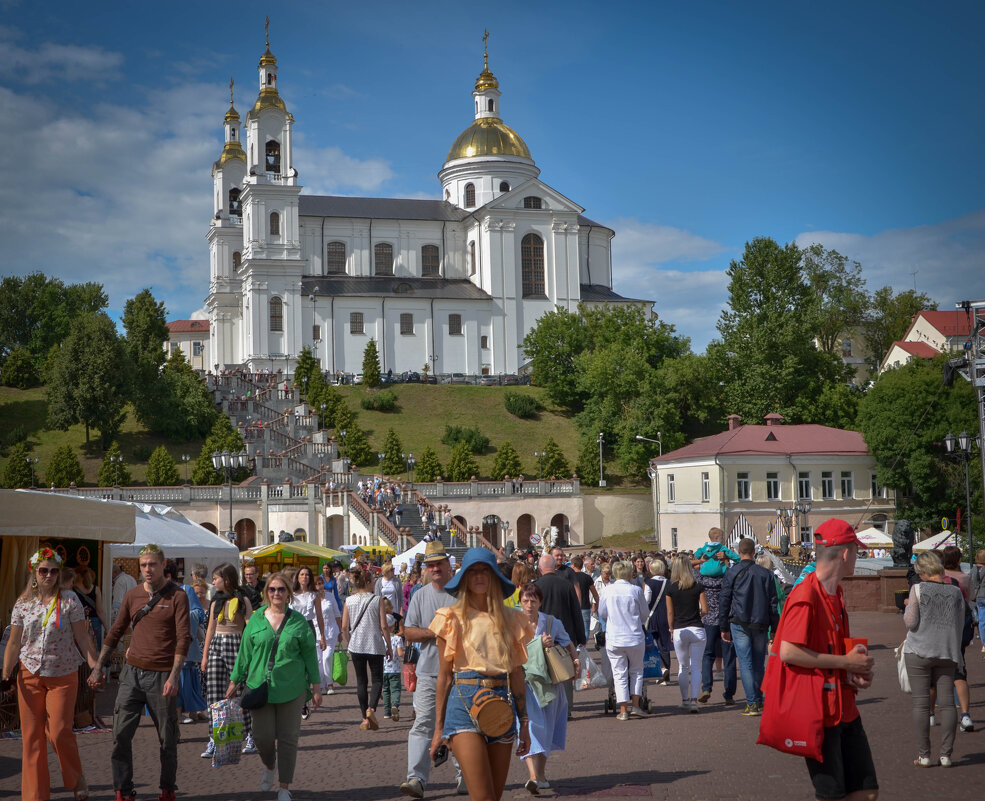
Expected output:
(152, 671)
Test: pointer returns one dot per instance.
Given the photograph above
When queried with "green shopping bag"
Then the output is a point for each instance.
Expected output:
(340, 668)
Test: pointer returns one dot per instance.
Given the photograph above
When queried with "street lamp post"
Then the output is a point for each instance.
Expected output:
(965, 443)
(230, 462)
(32, 462)
(601, 441)
(411, 464)
(117, 462)
(539, 456)
(342, 442)
(504, 526)
(789, 517)
(186, 459)
(380, 455)
(654, 485)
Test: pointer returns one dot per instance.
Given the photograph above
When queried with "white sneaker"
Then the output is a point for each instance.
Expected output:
(209, 749)
(329, 691)
(967, 724)
(945, 762)
(283, 794)
(268, 778)
(635, 711)
(933, 720)
(248, 746)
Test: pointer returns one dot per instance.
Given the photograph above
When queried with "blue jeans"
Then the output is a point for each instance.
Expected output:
(713, 635)
(750, 649)
(981, 621)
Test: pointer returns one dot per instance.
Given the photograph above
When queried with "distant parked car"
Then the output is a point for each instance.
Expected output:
(357, 378)
(429, 379)
(410, 377)
(458, 378)
(511, 380)
(489, 381)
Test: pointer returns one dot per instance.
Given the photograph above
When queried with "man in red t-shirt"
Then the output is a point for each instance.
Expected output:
(813, 628)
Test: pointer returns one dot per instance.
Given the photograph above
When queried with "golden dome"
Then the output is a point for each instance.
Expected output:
(486, 80)
(233, 151)
(268, 98)
(488, 136)
(232, 115)
(267, 58)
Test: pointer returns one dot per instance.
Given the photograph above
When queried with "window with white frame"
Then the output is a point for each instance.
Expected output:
(356, 323)
(877, 491)
(804, 486)
(827, 485)
(847, 484)
(705, 487)
(673, 538)
(806, 533)
(430, 260)
(335, 258)
(276, 309)
(671, 490)
(742, 486)
(455, 324)
(406, 324)
(772, 486)
(383, 258)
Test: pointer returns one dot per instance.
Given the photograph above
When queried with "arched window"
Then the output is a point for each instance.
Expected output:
(532, 260)
(430, 259)
(274, 224)
(273, 156)
(383, 258)
(335, 257)
(504, 186)
(237, 259)
(469, 195)
(472, 257)
(532, 202)
(235, 207)
(492, 104)
(276, 314)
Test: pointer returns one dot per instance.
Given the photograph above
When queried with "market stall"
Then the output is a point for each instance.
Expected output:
(271, 558)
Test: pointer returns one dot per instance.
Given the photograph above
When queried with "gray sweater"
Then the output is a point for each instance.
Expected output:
(935, 621)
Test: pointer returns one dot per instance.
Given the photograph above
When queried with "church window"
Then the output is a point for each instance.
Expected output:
(356, 322)
(273, 156)
(455, 324)
(532, 265)
(504, 186)
(237, 259)
(383, 258)
(274, 224)
(469, 195)
(484, 342)
(406, 324)
(276, 314)
(532, 202)
(472, 258)
(492, 105)
(335, 257)
(316, 333)
(429, 260)
(235, 206)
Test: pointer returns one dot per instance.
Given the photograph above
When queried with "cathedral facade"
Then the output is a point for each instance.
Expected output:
(455, 284)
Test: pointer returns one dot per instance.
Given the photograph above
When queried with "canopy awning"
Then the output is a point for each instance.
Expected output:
(875, 538)
(279, 554)
(936, 542)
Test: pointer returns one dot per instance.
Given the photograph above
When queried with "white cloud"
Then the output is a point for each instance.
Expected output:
(328, 171)
(54, 62)
(947, 258)
(638, 245)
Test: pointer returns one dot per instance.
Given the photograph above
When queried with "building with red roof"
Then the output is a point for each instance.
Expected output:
(930, 334)
(765, 481)
(192, 336)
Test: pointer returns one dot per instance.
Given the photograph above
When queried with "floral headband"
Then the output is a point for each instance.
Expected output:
(45, 554)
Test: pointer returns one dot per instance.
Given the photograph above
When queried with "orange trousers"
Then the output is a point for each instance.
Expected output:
(47, 709)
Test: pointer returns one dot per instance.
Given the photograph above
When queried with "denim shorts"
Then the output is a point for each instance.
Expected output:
(457, 718)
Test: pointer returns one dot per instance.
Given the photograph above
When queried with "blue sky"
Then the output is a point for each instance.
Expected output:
(689, 128)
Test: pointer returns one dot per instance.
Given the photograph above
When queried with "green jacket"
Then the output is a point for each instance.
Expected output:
(295, 665)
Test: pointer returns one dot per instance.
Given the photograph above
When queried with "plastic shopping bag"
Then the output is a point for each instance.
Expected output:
(340, 667)
(410, 677)
(591, 674)
(227, 732)
(652, 668)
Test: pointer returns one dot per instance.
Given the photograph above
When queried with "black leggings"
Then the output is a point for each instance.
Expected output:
(360, 663)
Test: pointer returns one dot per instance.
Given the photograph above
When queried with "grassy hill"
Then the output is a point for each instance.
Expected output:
(422, 413)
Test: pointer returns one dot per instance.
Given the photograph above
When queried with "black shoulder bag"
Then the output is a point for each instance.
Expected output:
(150, 604)
(256, 697)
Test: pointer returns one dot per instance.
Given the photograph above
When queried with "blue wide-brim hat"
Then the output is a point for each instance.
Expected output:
(480, 556)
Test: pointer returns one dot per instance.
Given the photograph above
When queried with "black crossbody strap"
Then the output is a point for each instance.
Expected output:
(150, 604)
(359, 619)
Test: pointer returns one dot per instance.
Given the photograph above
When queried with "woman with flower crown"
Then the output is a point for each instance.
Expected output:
(47, 633)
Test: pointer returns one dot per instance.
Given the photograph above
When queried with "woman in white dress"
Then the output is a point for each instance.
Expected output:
(307, 601)
(332, 617)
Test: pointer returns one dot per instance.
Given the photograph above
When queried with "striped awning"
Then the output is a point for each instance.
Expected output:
(742, 528)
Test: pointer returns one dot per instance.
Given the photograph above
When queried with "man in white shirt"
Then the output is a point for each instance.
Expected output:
(123, 582)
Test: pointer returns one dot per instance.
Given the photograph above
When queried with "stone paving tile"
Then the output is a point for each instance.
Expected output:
(673, 756)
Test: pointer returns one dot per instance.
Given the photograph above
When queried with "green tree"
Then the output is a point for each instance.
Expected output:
(554, 463)
(64, 469)
(37, 312)
(19, 370)
(462, 465)
(692, 388)
(588, 462)
(551, 347)
(839, 288)
(428, 466)
(222, 437)
(321, 393)
(355, 445)
(393, 460)
(507, 462)
(90, 379)
(371, 365)
(904, 418)
(888, 319)
(145, 321)
(767, 357)
(306, 368)
(114, 471)
(18, 473)
(162, 470)
(182, 407)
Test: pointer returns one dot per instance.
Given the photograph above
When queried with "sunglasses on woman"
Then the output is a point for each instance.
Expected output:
(276, 589)
(49, 571)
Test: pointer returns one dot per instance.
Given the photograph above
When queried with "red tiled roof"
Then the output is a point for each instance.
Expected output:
(956, 323)
(188, 326)
(777, 440)
(919, 349)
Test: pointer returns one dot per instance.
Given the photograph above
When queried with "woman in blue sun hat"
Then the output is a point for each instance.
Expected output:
(482, 649)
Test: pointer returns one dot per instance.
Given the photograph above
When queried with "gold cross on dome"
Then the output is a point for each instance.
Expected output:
(266, 28)
(230, 91)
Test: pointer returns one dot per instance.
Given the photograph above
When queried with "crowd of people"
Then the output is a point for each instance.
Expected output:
(486, 648)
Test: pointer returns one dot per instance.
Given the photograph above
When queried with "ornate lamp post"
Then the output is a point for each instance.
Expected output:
(380, 455)
(117, 462)
(504, 526)
(342, 441)
(601, 442)
(32, 463)
(230, 462)
(789, 516)
(539, 456)
(410, 463)
(186, 459)
(965, 443)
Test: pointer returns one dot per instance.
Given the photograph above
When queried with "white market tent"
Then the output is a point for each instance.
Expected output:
(875, 538)
(407, 557)
(936, 542)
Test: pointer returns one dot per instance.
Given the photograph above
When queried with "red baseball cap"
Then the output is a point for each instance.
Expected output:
(836, 532)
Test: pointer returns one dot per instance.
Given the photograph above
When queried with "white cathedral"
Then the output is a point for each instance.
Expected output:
(455, 284)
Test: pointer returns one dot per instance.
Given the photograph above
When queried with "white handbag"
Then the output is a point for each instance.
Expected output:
(904, 679)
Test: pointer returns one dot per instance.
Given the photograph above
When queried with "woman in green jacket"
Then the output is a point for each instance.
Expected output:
(277, 724)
